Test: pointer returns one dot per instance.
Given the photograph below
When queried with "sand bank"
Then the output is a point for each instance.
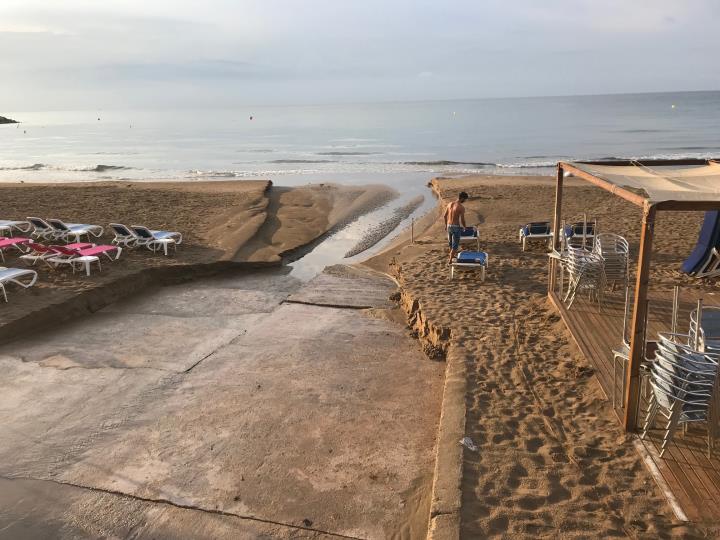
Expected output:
(551, 459)
(217, 220)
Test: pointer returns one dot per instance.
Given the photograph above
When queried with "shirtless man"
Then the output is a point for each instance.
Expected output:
(455, 221)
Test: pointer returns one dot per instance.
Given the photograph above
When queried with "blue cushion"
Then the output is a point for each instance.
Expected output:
(536, 227)
(469, 231)
(478, 257)
(577, 228)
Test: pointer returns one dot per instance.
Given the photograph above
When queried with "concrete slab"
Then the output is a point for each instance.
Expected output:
(315, 420)
(331, 420)
(171, 343)
(345, 286)
(33, 509)
(199, 301)
(51, 415)
(272, 280)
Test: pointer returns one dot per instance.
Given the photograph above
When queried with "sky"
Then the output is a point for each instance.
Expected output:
(178, 53)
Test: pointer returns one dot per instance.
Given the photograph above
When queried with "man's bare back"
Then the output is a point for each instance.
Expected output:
(455, 214)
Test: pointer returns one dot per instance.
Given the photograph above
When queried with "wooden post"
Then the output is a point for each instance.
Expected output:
(556, 227)
(639, 318)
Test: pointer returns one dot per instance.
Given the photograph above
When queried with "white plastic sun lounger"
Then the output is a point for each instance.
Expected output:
(470, 260)
(157, 240)
(67, 231)
(18, 277)
(7, 226)
(124, 235)
(42, 229)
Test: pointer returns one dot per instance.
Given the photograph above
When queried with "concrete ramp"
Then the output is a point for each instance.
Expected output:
(346, 287)
(240, 415)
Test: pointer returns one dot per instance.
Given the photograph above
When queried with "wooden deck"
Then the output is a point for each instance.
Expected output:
(689, 479)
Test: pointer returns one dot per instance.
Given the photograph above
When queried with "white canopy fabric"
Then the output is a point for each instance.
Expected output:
(660, 183)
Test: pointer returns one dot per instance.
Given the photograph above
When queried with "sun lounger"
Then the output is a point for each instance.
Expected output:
(18, 276)
(124, 235)
(470, 260)
(12, 243)
(42, 229)
(41, 252)
(579, 234)
(7, 226)
(66, 231)
(703, 260)
(156, 240)
(470, 234)
(536, 230)
(83, 257)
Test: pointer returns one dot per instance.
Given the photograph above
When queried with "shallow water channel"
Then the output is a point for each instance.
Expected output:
(332, 249)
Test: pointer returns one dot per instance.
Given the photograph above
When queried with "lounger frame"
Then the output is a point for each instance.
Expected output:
(14, 275)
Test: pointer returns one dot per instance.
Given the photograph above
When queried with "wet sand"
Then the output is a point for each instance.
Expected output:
(552, 460)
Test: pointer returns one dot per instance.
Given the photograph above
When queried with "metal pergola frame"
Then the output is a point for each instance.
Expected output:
(637, 325)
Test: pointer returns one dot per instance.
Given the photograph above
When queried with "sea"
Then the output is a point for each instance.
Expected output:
(390, 143)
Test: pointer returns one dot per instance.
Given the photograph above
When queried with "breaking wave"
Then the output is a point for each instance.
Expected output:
(44, 167)
(445, 162)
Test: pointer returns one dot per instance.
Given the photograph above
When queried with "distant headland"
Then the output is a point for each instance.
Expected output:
(4, 120)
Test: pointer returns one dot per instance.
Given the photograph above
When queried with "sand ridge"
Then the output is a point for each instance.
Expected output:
(552, 459)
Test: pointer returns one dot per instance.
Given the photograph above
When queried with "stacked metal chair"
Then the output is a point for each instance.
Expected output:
(615, 251)
(684, 381)
(586, 273)
(706, 337)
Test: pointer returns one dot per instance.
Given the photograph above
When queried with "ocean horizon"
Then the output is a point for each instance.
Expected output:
(385, 142)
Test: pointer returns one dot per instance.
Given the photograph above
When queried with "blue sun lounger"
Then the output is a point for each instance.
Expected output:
(576, 233)
(536, 230)
(470, 260)
(701, 260)
(470, 234)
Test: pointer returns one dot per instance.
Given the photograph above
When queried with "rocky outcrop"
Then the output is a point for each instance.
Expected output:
(4, 120)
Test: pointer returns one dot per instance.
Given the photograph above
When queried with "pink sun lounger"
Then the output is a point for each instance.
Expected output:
(83, 257)
(41, 252)
(12, 243)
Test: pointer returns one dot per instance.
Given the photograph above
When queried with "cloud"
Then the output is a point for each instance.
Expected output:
(286, 51)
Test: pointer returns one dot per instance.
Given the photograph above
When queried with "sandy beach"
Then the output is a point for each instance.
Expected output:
(552, 459)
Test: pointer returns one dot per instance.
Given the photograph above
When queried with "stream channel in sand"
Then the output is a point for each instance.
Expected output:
(246, 405)
(331, 249)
